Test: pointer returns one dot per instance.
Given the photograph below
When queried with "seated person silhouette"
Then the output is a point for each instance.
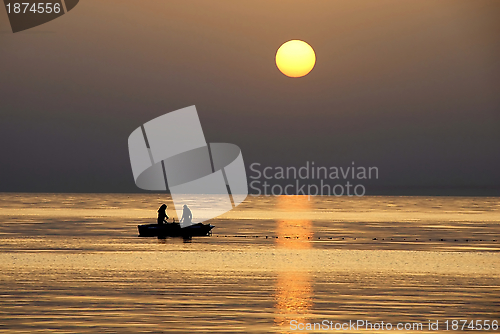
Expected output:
(162, 214)
(187, 216)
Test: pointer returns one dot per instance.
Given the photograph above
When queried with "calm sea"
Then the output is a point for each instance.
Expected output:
(73, 263)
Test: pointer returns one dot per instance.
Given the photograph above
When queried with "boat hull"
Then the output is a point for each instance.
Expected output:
(174, 230)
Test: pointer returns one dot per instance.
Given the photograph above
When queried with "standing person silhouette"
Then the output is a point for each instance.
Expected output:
(187, 216)
(162, 214)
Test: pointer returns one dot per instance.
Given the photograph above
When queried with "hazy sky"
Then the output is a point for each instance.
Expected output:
(412, 87)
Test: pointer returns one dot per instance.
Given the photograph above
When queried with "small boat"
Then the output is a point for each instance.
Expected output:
(174, 230)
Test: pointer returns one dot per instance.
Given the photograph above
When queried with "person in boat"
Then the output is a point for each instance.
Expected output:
(187, 216)
(162, 214)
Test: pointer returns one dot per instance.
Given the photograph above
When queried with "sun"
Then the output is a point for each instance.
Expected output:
(295, 58)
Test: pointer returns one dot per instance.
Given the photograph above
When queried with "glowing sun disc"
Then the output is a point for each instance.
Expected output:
(295, 58)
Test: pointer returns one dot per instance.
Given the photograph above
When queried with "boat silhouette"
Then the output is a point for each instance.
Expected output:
(174, 230)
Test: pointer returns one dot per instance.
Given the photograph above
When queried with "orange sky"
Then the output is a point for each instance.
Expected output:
(409, 86)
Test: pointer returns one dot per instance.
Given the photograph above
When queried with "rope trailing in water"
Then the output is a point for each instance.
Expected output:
(351, 238)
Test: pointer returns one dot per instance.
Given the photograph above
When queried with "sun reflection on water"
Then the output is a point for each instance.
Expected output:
(293, 292)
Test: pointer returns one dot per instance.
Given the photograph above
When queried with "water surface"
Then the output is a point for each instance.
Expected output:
(72, 263)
